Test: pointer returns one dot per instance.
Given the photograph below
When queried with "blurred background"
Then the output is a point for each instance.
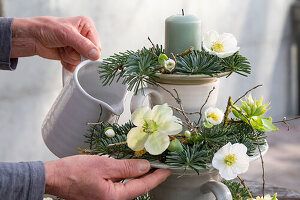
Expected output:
(266, 31)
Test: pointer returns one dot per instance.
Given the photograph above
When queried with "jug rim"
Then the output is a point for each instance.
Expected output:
(100, 102)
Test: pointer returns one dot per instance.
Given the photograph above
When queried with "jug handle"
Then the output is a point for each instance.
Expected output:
(219, 189)
(138, 99)
(66, 75)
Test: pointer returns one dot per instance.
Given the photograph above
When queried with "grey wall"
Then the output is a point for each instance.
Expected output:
(262, 28)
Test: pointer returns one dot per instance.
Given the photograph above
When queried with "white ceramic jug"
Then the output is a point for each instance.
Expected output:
(83, 99)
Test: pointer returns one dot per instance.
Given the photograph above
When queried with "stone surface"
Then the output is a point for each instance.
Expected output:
(282, 193)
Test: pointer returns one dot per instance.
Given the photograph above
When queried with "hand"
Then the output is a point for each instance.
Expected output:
(97, 178)
(63, 39)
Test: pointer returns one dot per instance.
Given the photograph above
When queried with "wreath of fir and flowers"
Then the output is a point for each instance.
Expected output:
(215, 140)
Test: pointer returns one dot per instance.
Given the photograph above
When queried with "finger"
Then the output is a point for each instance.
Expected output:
(72, 53)
(68, 66)
(89, 30)
(140, 186)
(83, 46)
(66, 58)
(132, 168)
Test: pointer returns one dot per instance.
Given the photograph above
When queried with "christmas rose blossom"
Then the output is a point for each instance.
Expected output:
(169, 65)
(213, 116)
(223, 45)
(153, 129)
(231, 160)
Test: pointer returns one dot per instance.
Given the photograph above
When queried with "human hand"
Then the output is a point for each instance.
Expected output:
(97, 178)
(63, 39)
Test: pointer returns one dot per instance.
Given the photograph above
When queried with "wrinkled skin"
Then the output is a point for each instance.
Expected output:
(63, 39)
(98, 178)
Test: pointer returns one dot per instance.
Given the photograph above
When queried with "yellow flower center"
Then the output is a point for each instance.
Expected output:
(217, 47)
(213, 116)
(230, 159)
(150, 127)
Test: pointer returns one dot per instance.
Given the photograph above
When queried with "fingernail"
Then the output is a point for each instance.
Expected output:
(143, 165)
(93, 54)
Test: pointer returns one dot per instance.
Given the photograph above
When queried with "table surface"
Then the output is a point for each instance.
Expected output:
(282, 193)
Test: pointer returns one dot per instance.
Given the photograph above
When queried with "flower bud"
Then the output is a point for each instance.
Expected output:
(109, 132)
(175, 146)
(187, 134)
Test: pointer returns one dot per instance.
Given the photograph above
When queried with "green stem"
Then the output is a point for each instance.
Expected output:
(245, 186)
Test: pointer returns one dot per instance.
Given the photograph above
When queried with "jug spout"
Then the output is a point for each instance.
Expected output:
(112, 96)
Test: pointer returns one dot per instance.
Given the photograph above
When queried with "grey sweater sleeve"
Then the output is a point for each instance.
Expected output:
(22, 181)
(6, 62)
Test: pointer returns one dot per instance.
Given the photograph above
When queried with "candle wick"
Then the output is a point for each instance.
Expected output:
(182, 12)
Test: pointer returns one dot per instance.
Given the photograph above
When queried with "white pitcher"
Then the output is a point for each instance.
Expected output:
(83, 99)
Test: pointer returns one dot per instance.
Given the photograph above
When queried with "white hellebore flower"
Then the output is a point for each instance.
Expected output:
(223, 45)
(213, 116)
(231, 160)
(153, 128)
(109, 132)
(169, 65)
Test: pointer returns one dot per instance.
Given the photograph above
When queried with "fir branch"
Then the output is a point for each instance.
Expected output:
(100, 143)
(140, 67)
(143, 197)
(198, 62)
(238, 192)
(236, 63)
(113, 67)
(190, 157)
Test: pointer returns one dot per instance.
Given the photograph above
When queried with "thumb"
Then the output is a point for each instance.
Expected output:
(130, 168)
(83, 46)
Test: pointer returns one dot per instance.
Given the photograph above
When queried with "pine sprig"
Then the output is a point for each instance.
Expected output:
(140, 69)
(113, 67)
(201, 62)
(144, 197)
(236, 63)
(237, 190)
(190, 157)
(198, 62)
(99, 142)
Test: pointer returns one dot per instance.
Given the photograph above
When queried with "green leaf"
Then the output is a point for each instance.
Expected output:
(268, 125)
(161, 59)
(274, 197)
(257, 123)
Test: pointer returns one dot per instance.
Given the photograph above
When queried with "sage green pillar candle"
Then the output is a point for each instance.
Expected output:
(181, 32)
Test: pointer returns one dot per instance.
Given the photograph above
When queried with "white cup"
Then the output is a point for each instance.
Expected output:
(82, 100)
